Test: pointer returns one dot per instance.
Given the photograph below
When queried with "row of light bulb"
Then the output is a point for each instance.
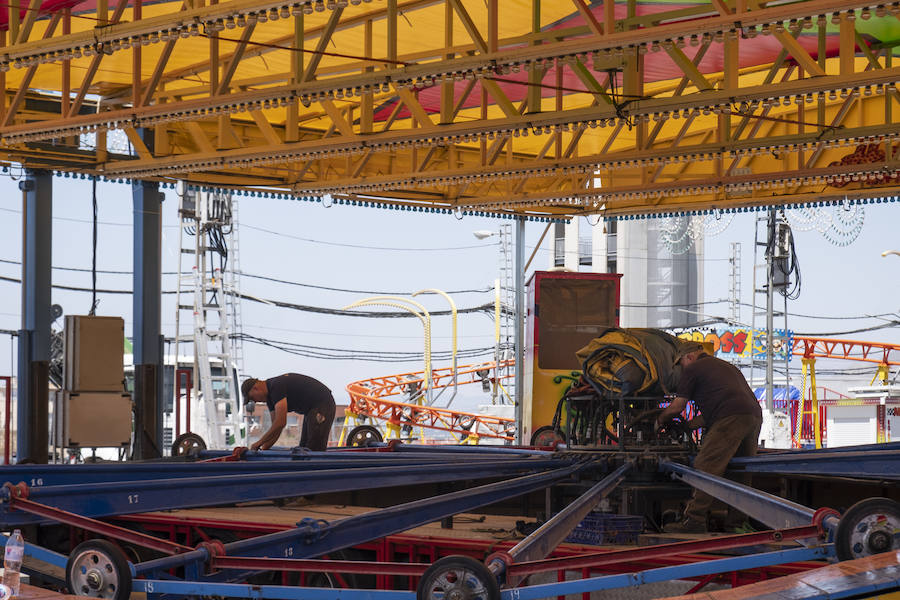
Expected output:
(582, 166)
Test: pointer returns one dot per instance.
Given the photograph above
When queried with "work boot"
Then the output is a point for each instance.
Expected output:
(688, 525)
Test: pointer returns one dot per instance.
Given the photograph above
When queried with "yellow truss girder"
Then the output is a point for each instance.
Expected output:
(306, 123)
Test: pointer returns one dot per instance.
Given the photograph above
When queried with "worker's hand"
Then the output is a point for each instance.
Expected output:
(255, 446)
(657, 425)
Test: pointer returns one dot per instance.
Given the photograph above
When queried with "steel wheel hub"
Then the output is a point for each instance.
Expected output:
(95, 575)
(458, 584)
(875, 534)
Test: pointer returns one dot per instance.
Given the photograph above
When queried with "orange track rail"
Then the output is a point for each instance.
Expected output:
(873, 352)
(377, 398)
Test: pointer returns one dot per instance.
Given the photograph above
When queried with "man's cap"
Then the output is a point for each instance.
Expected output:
(246, 387)
(687, 347)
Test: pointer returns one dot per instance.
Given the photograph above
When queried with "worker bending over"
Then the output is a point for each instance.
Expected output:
(296, 393)
(730, 414)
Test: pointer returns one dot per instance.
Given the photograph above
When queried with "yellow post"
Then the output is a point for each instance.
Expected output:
(426, 324)
(881, 374)
(798, 430)
(815, 402)
(424, 316)
(453, 332)
(347, 417)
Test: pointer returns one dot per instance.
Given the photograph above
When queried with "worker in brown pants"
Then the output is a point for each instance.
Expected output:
(730, 414)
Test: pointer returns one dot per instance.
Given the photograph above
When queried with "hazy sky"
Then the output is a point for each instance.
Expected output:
(392, 251)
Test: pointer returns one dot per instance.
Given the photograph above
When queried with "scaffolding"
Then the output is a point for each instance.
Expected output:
(208, 317)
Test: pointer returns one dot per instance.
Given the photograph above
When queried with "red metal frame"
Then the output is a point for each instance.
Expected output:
(20, 502)
(598, 559)
(420, 551)
(7, 419)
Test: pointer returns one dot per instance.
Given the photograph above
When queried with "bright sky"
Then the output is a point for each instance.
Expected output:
(392, 251)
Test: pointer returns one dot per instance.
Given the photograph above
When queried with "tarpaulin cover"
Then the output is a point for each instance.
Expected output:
(634, 361)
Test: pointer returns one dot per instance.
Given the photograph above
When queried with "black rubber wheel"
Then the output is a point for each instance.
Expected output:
(870, 526)
(546, 436)
(187, 443)
(458, 578)
(97, 568)
(362, 436)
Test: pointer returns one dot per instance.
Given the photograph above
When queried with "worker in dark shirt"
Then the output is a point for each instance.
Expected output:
(730, 414)
(296, 393)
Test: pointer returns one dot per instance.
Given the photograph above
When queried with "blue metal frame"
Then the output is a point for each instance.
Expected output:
(548, 536)
(117, 498)
(858, 462)
(699, 569)
(52, 475)
(548, 590)
(456, 449)
(318, 538)
(775, 512)
(153, 587)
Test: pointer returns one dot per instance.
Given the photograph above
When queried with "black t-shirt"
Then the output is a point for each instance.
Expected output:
(302, 392)
(718, 389)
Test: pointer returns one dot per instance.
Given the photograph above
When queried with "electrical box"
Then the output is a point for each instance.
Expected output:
(94, 355)
(565, 312)
(91, 419)
(783, 234)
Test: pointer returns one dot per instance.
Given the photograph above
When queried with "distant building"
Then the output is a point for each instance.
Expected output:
(659, 288)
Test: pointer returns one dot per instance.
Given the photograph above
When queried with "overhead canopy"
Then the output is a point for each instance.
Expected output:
(525, 106)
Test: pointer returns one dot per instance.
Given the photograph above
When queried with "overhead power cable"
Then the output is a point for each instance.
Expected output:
(487, 308)
(362, 355)
(267, 278)
(364, 247)
(334, 289)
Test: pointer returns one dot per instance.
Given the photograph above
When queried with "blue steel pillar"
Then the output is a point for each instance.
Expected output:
(147, 283)
(32, 442)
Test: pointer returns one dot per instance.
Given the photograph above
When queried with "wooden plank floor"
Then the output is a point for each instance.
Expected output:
(30, 592)
(881, 571)
(465, 526)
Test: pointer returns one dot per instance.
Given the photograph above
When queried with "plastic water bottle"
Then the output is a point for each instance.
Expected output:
(12, 561)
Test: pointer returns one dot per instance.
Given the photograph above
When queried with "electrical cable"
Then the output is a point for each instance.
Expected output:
(266, 278)
(487, 308)
(349, 291)
(94, 300)
(789, 266)
(363, 247)
(320, 352)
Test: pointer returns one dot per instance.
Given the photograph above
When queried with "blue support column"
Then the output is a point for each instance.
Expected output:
(34, 338)
(147, 283)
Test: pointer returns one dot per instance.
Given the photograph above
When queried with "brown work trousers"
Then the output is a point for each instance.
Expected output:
(732, 436)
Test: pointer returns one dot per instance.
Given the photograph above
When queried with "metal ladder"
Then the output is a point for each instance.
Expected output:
(232, 283)
(508, 301)
(206, 220)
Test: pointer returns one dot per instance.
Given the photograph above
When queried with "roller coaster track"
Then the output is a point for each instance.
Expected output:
(383, 399)
(873, 352)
